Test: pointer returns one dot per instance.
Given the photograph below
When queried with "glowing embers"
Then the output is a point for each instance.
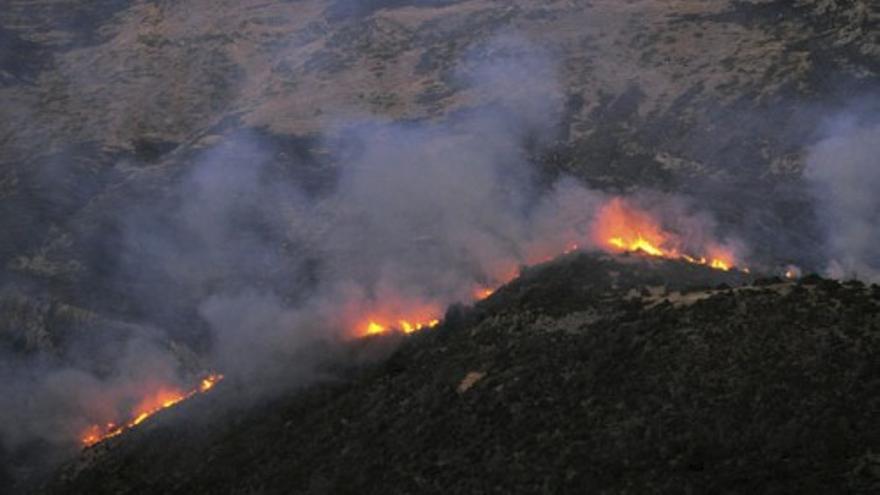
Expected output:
(148, 406)
(622, 227)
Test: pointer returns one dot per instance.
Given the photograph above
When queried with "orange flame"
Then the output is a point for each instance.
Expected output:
(380, 326)
(621, 227)
(481, 293)
(161, 399)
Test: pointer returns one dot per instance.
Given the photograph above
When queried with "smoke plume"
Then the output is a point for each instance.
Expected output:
(234, 255)
(843, 172)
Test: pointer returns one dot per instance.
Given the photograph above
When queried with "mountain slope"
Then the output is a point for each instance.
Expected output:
(583, 375)
(115, 99)
(155, 157)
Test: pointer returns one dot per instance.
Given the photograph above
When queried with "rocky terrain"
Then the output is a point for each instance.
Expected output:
(107, 109)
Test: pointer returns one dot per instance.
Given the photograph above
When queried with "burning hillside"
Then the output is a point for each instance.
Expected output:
(405, 326)
(562, 366)
(618, 225)
(623, 227)
(256, 188)
(150, 404)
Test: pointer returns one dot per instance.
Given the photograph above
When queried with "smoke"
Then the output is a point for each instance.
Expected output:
(50, 399)
(420, 215)
(696, 231)
(228, 250)
(54, 404)
(267, 276)
(843, 173)
(234, 255)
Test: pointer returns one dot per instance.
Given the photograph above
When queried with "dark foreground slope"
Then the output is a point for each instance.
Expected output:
(586, 375)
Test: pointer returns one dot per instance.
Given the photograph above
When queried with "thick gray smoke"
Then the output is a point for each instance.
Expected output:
(54, 404)
(273, 274)
(420, 215)
(843, 170)
(266, 274)
(50, 400)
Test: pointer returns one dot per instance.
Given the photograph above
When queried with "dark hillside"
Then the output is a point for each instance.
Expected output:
(767, 387)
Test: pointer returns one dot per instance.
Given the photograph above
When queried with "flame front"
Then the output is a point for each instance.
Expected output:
(380, 326)
(625, 229)
(481, 293)
(159, 400)
(621, 227)
(618, 227)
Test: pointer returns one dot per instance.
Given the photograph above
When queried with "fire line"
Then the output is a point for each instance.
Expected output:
(619, 227)
(162, 399)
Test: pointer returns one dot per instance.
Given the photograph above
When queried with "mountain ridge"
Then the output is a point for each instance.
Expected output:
(548, 386)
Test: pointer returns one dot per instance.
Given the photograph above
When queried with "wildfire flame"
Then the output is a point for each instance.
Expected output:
(157, 401)
(373, 327)
(618, 227)
(483, 293)
(621, 227)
